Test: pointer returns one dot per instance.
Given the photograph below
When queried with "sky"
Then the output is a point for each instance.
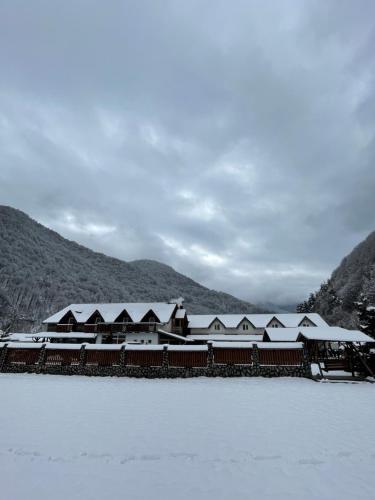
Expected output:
(232, 140)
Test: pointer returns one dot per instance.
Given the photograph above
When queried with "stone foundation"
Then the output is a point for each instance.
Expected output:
(164, 372)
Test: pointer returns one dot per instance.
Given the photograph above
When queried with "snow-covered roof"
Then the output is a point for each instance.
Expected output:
(22, 345)
(18, 337)
(334, 334)
(187, 348)
(227, 338)
(288, 320)
(56, 335)
(174, 335)
(111, 311)
(283, 334)
(260, 345)
(280, 345)
(180, 313)
(77, 347)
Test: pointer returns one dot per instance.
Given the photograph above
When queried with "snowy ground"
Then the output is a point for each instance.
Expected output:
(96, 438)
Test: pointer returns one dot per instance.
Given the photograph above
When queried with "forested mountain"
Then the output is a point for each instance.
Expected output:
(41, 272)
(352, 282)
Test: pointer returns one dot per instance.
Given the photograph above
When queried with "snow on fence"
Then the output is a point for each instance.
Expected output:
(185, 356)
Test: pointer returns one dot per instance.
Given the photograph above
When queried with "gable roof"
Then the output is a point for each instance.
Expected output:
(289, 320)
(111, 311)
(333, 334)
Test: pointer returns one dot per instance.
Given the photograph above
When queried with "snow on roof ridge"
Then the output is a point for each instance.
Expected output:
(111, 310)
(289, 320)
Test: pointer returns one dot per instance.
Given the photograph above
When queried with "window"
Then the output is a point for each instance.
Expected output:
(305, 323)
(245, 326)
(150, 341)
(217, 326)
(275, 325)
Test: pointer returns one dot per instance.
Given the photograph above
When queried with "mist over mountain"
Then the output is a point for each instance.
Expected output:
(41, 272)
(353, 280)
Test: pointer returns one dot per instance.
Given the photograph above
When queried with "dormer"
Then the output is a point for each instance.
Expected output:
(216, 325)
(150, 317)
(95, 318)
(123, 317)
(68, 319)
(245, 325)
(275, 323)
(306, 322)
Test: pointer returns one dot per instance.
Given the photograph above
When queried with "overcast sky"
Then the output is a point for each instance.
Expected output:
(232, 140)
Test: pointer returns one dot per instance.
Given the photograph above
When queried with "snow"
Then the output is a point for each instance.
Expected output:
(291, 320)
(260, 345)
(335, 334)
(111, 311)
(89, 438)
(180, 313)
(173, 335)
(187, 348)
(283, 334)
(56, 335)
(226, 337)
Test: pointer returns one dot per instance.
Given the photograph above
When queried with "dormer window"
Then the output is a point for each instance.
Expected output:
(217, 326)
(245, 326)
(275, 325)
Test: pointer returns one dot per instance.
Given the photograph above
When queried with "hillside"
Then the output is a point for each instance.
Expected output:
(354, 278)
(41, 272)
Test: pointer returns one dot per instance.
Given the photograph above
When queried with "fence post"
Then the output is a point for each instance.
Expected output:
(122, 356)
(306, 364)
(255, 357)
(82, 356)
(42, 357)
(210, 354)
(165, 362)
(3, 356)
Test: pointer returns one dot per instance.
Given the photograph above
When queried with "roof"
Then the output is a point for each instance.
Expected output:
(283, 334)
(260, 345)
(174, 335)
(111, 311)
(227, 338)
(55, 335)
(334, 334)
(180, 313)
(289, 320)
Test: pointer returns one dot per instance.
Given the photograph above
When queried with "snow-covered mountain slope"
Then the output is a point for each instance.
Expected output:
(41, 272)
(353, 279)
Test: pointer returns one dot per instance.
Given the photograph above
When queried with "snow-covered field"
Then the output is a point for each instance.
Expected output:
(107, 438)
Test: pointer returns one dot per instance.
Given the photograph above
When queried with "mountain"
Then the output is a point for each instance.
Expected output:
(353, 280)
(277, 308)
(42, 272)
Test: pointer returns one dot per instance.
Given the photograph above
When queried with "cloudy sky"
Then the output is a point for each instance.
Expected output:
(233, 140)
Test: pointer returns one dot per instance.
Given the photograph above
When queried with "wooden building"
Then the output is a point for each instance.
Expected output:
(142, 323)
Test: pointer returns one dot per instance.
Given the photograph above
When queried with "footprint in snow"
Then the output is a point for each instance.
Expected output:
(310, 461)
(150, 457)
(267, 457)
(344, 453)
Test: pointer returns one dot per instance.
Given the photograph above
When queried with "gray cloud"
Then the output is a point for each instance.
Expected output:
(232, 140)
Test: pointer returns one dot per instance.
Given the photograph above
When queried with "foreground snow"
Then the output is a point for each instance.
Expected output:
(94, 438)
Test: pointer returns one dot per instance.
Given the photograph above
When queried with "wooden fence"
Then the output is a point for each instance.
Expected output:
(152, 356)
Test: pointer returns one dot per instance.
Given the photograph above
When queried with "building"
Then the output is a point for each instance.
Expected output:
(209, 326)
(142, 323)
